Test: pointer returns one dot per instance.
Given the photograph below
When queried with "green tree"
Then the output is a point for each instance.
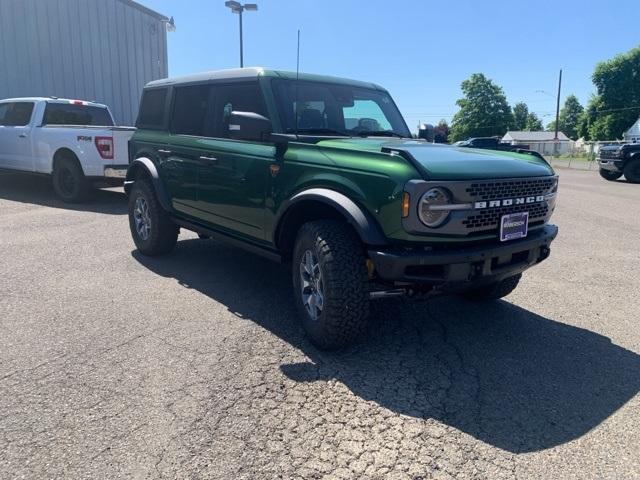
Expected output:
(484, 110)
(570, 117)
(589, 113)
(520, 116)
(616, 106)
(551, 126)
(533, 123)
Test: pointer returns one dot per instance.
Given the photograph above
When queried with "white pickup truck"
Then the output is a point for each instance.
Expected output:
(74, 141)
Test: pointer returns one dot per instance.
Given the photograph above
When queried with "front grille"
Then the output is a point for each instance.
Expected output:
(608, 153)
(490, 218)
(510, 189)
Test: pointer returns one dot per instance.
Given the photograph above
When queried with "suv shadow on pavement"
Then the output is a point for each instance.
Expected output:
(37, 190)
(505, 375)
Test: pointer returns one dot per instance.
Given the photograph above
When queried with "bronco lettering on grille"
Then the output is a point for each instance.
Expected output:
(508, 201)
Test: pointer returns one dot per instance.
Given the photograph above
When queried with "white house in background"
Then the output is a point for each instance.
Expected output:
(541, 142)
(633, 134)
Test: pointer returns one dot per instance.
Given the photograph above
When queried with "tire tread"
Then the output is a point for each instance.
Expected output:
(346, 307)
(164, 233)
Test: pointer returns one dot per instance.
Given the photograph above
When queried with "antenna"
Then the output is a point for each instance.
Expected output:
(297, 78)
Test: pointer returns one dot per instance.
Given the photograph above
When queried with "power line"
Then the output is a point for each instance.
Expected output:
(617, 109)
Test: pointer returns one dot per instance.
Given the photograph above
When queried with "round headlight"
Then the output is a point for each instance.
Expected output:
(435, 197)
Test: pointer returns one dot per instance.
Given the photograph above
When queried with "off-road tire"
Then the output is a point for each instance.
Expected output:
(341, 259)
(493, 291)
(163, 233)
(69, 182)
(609, 175)
(632, 171)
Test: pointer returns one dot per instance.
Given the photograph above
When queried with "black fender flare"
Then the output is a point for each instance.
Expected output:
(365, 225)
(150, 170)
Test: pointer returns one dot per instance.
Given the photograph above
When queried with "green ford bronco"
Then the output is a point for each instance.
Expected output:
(323, 173)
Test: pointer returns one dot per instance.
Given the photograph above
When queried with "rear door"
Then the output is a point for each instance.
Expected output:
(189, 128)
(15, 135)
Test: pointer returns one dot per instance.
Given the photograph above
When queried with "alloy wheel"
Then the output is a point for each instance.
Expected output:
(311, 284)
(142, 218)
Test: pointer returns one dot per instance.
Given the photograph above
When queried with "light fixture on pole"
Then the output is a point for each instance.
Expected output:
(237, 7)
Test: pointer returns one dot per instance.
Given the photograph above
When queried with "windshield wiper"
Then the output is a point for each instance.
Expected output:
(317, 131)
(380, 133)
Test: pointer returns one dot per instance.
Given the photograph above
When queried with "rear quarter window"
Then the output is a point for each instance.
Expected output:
(72, 114)
(152, 109)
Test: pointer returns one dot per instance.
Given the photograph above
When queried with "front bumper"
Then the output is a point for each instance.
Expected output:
(611, 164)
(466, 265)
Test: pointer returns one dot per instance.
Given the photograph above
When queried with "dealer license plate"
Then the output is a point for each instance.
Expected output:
(514, 225)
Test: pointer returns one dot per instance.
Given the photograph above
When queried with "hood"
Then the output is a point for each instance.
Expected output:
(446, 162)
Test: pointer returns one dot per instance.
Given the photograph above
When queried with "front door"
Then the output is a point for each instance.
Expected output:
(232, 183)
(15, 130)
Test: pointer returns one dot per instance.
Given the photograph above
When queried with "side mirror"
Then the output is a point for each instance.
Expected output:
(249, 126)
(426, 132)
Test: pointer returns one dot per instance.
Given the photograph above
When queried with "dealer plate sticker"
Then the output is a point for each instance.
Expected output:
(514, 225)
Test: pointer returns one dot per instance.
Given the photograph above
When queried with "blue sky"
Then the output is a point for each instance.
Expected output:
(420, 51)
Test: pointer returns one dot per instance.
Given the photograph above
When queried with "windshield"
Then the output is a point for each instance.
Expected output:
(335, 109)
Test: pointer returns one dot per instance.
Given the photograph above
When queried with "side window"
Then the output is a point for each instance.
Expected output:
(4, 108)
(152, 109)
(244, 97)
(190, 110)
(311, 114)
(16, 114)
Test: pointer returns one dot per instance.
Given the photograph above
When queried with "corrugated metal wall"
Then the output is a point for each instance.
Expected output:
(101, 50)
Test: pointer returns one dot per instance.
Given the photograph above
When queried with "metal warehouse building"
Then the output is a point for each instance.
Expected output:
(100, 50)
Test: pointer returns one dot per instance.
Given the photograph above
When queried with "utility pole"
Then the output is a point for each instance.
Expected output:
(556, 140)
(558, 105)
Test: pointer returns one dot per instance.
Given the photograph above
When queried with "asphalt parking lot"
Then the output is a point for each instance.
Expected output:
(113, 365)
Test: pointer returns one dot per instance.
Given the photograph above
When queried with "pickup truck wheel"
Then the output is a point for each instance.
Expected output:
(609, 175)
(493, 291)
(329, 278)
(152, 230)
(632, 171)
(69, 181)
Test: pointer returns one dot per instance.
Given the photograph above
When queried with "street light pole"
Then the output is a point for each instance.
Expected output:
(237, 7)
(241, 42)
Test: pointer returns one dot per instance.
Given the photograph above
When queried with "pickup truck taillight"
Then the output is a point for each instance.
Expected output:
(105, 147)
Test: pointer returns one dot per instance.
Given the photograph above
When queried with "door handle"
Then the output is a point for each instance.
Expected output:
(209, 159)
(23, 135)
(164, 152)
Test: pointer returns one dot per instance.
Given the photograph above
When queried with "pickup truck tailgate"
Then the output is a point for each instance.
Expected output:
(121, 136)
